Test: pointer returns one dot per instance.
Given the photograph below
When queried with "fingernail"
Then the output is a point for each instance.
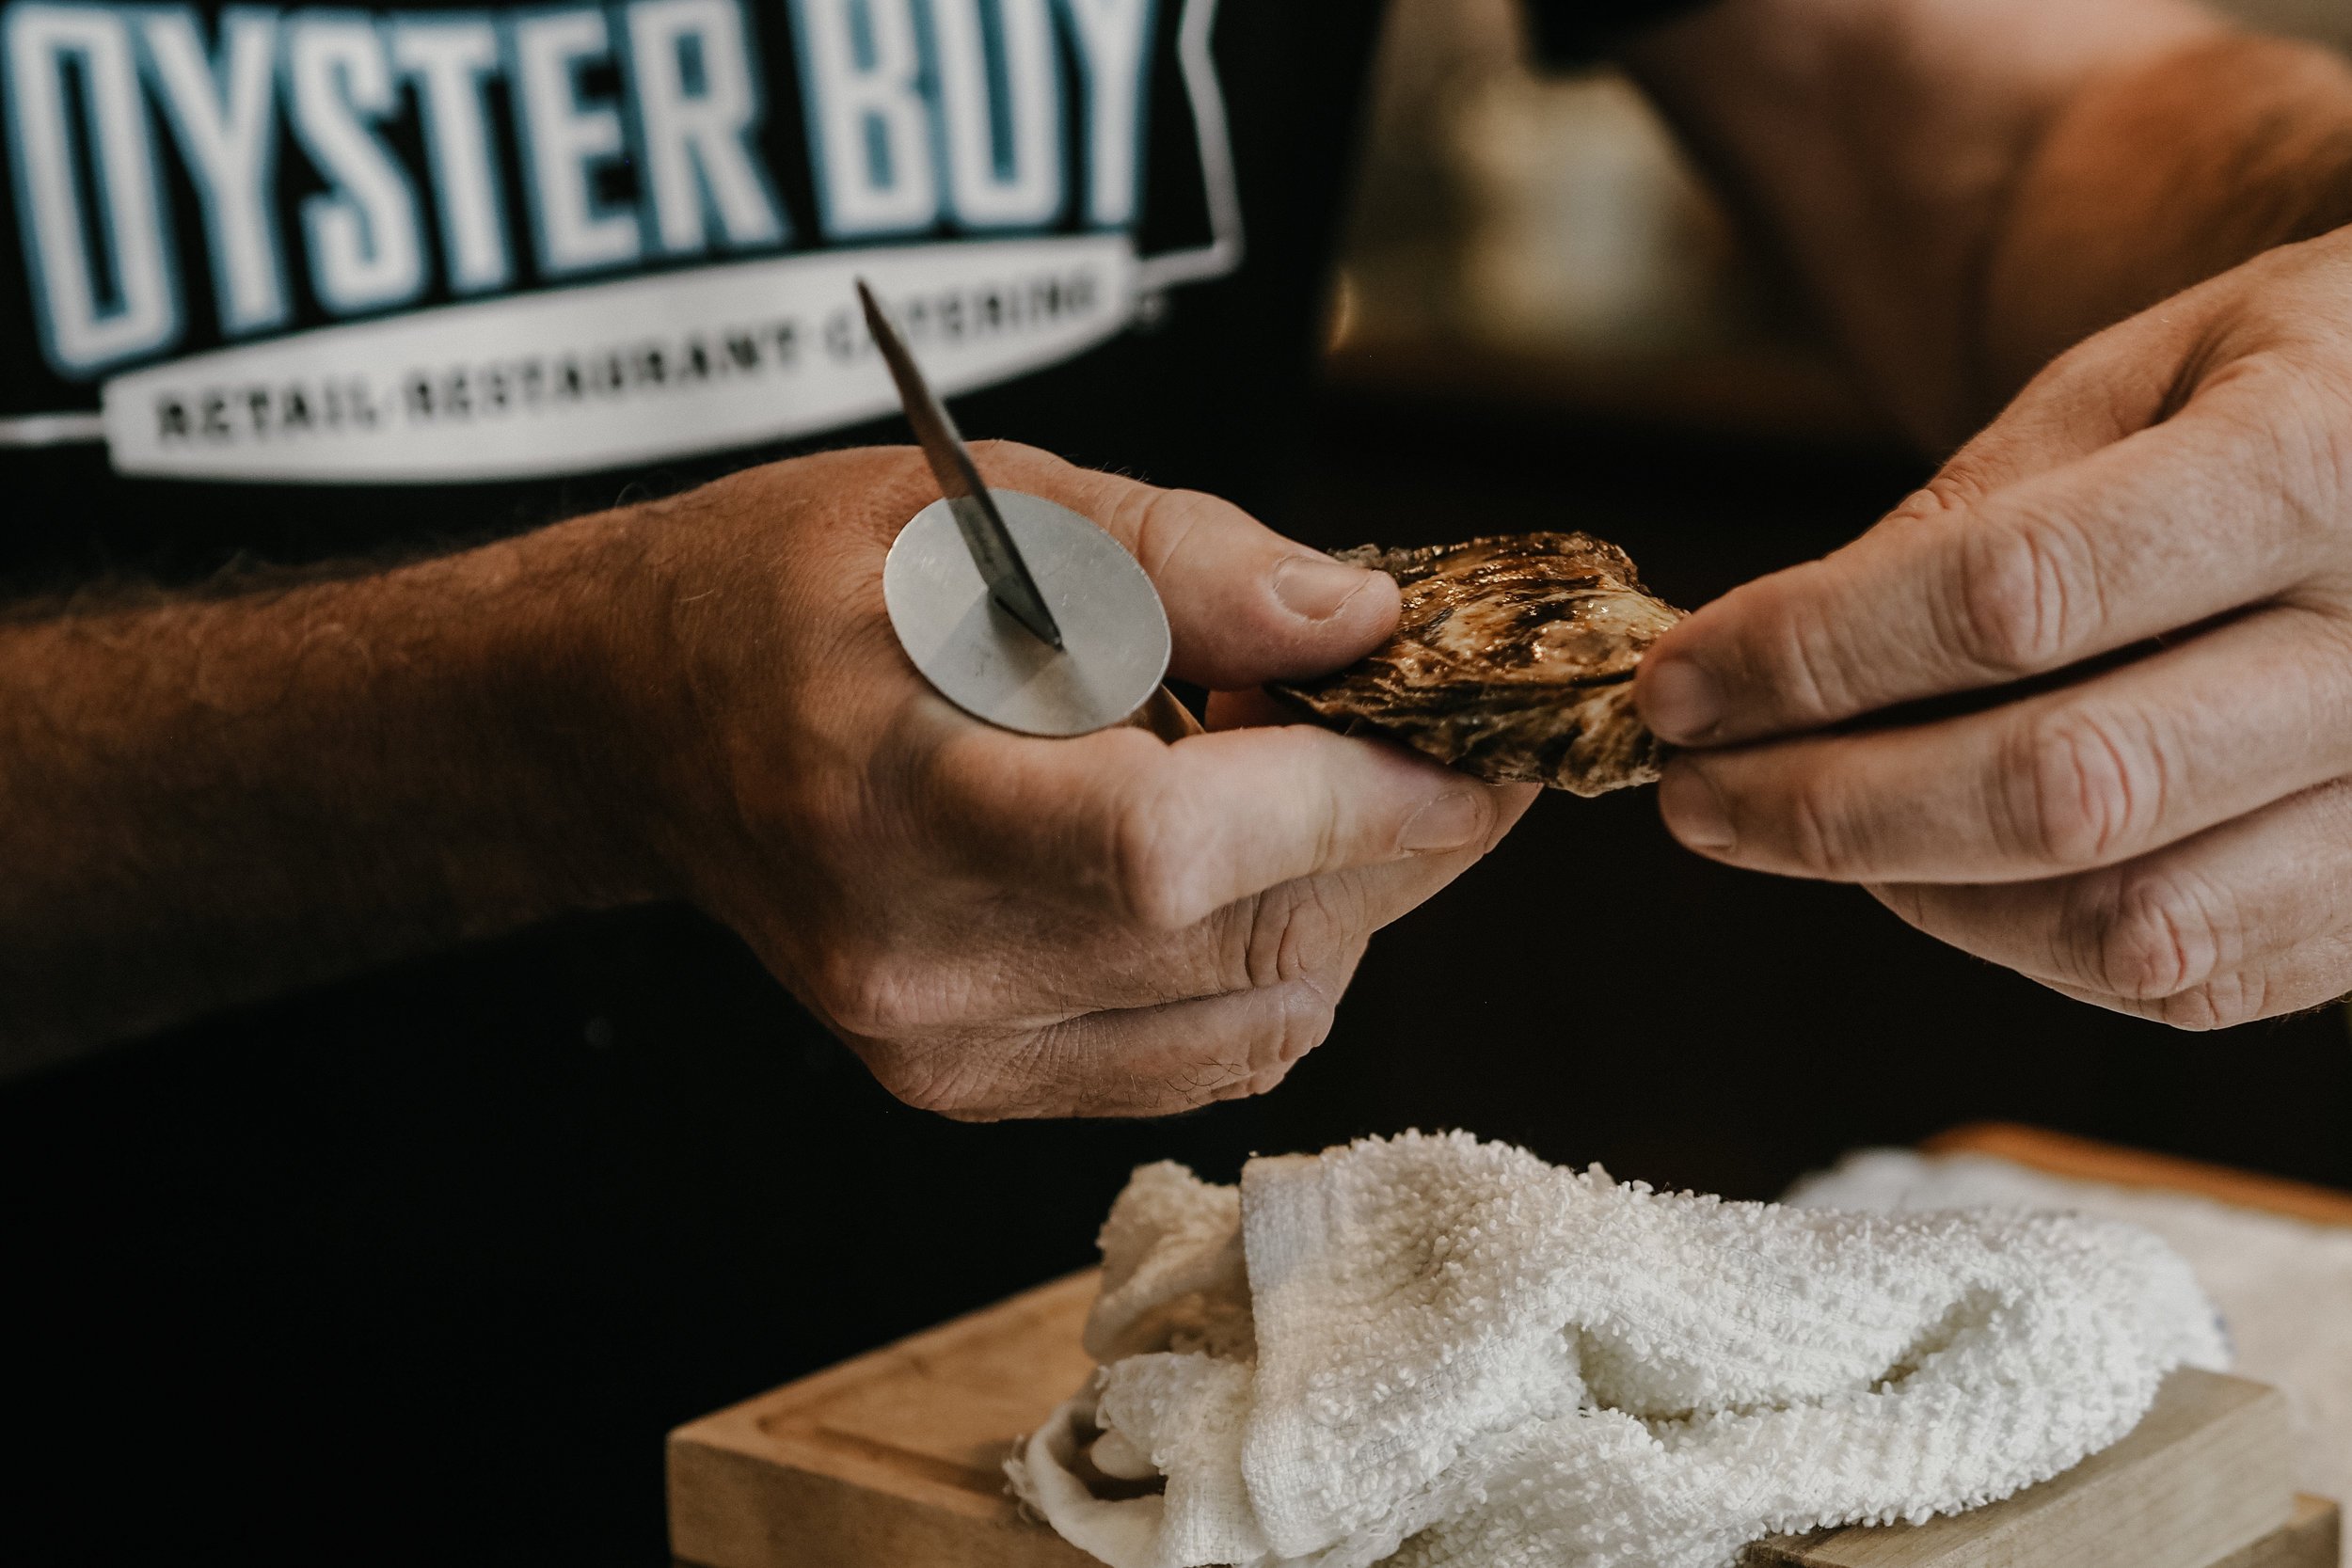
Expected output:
(1694, 812)
(1315, 587)
(1449, 822)
(1681, 700)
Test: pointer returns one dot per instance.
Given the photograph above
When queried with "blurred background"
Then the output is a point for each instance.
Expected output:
(1542, 317)
(1536, 240)
(571, 1238)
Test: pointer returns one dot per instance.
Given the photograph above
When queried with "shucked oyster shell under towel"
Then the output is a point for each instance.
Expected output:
(1514, 661)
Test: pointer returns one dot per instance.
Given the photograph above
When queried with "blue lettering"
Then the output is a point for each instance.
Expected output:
(566, 141)
(1114, 48)
(448, 56)
(361, 234)
(698, 107)
(94, 310)
(223, 111)
(870, 124)
(1000, 111)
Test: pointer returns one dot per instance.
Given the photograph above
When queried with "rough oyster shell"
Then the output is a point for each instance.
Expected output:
(1514, 661)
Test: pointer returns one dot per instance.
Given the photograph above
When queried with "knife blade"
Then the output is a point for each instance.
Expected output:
(978, 518)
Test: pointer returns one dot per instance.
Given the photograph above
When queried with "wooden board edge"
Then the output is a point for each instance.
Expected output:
(2196, 1412)
(827, 1457)
(2313, 1537)
(743, 1425)
(713, 1454)
(2089, 1160)
(732, 1509)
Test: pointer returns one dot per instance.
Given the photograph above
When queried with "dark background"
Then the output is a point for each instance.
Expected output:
(422, 1267)
(431, 1272)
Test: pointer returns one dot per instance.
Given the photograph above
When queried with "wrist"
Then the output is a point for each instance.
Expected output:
(2155, 177)
(566, 665)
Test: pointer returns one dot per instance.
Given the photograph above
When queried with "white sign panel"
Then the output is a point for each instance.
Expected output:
(611, 374)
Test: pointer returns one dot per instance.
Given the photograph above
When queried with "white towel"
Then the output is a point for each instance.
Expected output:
(1439, 1352)
(2283, 1286)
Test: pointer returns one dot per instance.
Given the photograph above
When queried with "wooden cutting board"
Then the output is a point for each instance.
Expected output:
(2204, 1478)
(2088, 1160)
(894, 1459)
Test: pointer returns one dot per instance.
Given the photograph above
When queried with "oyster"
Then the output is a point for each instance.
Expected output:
(1514, 661)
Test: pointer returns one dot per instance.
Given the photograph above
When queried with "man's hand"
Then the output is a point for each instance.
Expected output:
(2146, 563)
(208, 798)
(1005, 926)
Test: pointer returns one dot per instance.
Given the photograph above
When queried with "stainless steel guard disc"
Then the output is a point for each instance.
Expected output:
(1113, 629)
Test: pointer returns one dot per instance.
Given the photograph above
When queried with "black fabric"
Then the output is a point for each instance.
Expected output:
(1578, 32)
(1165, 400)
(420, 1268)
(425, 1263)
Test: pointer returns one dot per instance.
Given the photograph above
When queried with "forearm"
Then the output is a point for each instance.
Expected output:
(2154, 180)
(1969, 186)
(205, 800)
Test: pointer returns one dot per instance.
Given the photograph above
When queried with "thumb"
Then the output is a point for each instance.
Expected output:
(1244, 605)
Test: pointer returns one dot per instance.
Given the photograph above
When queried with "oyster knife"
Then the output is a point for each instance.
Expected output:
(1017, 609)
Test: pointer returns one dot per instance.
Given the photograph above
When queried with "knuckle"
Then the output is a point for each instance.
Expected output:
(942, 1094)
(971, 1078)
(1923, 503)
(1308, 1024)
(1155, 865)
(1276, 1046)
(874, 995)
(2078, 790)
(1295, 930)
(1962, 481)
(1218, 1069)
(2223, 1003)
(2156, 940)
(957, 1097)
(1822, 835)
(1158, 523)
(2301, 445)
(1908, 901)
(1812, 666)
(1255, 1056)
(1331, 838)
(1015, 454)
(1228, 958)
(2020, 597)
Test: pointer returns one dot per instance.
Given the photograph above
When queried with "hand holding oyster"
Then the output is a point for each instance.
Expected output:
(1513, 660)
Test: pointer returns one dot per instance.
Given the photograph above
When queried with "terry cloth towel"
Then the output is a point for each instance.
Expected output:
(2283, 1286)
(1436, 1351)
